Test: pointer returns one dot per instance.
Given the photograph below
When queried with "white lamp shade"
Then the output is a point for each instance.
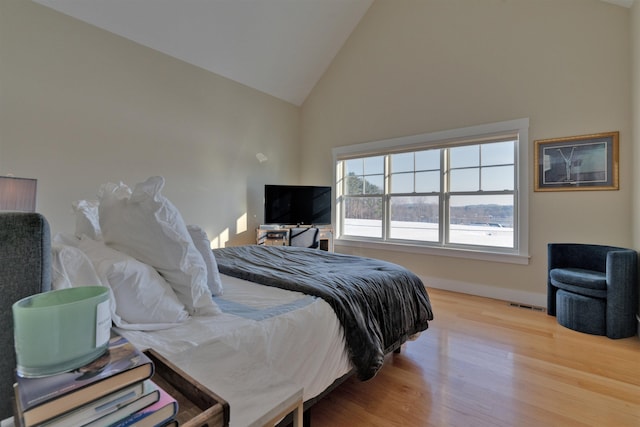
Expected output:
(18, 194)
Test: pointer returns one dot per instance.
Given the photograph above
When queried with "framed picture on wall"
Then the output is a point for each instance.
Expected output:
(585, 162)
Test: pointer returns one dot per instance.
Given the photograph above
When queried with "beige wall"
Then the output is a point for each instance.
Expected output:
(635, 111)
(80, 107)
(420, 66)
(635, 85)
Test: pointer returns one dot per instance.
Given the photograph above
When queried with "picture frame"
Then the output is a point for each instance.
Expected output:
(577, 163)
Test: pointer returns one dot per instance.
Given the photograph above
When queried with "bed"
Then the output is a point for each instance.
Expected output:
(379, 304)
(271, 331)
(265, 337)
(247, 322)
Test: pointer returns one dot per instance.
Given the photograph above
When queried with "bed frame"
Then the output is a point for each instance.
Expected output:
(287, 421)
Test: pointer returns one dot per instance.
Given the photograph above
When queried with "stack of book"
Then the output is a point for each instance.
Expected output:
(116, 389)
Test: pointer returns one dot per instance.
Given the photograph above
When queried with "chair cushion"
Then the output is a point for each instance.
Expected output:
(581, 313)
(579, 277)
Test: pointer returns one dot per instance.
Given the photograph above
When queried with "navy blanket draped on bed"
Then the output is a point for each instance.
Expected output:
(379, 304)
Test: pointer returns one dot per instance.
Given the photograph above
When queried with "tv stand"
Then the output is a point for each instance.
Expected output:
(280, 236)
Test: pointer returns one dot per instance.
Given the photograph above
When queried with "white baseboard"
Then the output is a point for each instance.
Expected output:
(510, 295)
(638, 318)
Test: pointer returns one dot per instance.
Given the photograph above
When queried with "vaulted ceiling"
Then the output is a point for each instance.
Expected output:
(280, 47)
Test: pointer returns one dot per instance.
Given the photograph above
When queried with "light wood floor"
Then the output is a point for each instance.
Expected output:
(485, 363)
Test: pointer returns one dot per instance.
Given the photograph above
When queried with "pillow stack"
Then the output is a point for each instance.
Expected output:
(87, 220)
(141, 295)
(203, 245)
(159, 269)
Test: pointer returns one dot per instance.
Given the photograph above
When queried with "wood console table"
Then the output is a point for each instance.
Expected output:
(280, 236)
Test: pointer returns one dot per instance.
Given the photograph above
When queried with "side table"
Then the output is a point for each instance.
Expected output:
(293, 403)
(197, 405)
(258, 396)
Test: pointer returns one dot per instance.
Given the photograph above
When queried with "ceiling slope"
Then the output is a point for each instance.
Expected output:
(280, 47)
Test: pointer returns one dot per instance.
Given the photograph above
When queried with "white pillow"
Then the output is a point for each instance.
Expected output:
(70, 268)
(143, 299)
(203, 245)
(68, 239)
(87, 221)
(147, 226)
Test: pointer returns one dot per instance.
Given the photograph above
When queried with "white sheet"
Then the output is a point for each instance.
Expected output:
(284, 338)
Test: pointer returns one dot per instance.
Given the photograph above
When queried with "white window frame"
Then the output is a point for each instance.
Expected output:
(479, 133)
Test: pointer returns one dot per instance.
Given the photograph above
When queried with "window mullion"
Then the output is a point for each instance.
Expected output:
(444, 198)
(386, 199)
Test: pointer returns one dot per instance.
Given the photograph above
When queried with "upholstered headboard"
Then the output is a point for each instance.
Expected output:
(25, 269)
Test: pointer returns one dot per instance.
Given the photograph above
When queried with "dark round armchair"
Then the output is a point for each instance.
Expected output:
(593, 288)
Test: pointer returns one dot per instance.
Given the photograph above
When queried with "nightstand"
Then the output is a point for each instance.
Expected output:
(257, 394)
(197, 405)
(291, 403)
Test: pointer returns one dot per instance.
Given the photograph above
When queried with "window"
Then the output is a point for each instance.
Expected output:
(457, 190)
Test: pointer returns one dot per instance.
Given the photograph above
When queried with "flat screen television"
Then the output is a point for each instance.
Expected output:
(297, 204)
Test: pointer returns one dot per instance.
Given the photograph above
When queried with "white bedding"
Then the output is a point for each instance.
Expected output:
(266, 342)
(275, 337)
